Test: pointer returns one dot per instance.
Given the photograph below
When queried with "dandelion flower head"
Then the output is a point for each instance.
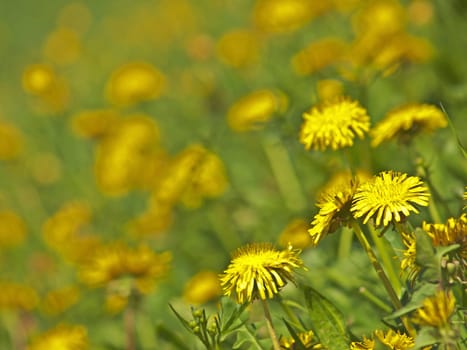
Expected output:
(258, 270)
(406, 121)
(62, 337)
(436, 310)
(452, 232)
(365, 344)
(395, 340)
(334, 210)
(389, 197)
(334, 124)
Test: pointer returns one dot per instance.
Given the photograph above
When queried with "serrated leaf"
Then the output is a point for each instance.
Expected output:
(426, 336)
(426, 258)
(327, 321)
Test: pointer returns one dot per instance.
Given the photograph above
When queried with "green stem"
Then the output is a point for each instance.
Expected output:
(377, 266)
(345, 244)
(374, 299)
(272, 333)
(382, 248)
(284, 173)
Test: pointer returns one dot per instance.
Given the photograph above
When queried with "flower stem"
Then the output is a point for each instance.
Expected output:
(272, 333)
(129, 321)
(345, 244)
(381, 274)
(374, 299)
(386, 258)
(284, 173)
(377, 266)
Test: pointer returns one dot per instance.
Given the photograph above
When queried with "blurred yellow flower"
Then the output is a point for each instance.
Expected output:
(156, 219)
(238, 48)
(46, 168)
(135, 82)
(13, 229)
(61, 337)
(318, 55)
(334, 210)
(115, 262)
(94, 123)
(257, 270)
(39, 79)
(406, 121)
(395, 340)
(11, 141)
(329, 89)
(389, 197)
(380, 17)
(194, 174)
(295, 234)
(59, 300)
(342, 179)
(452, 232)
(334, 124)
(253, 110)
(62, 46)
(52, 91)
(76, 16)
(366, 344)
(17, 296)
(286, 15)
(436, 311)
(202, 287)
(123, 156)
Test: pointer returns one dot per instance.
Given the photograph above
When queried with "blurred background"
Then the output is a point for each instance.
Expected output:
(172, 126)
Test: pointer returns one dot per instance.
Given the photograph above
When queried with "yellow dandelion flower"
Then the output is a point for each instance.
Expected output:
(202, 287)
(17, 296)
(62, 46)
(258, 270)
(135, 82)
(124, 155)
(11, 141)
(334, 211)
(318, 55)
(395, 340)
(366, 344)
(62, 337)
(59, 300)
(452, 232)
(342, 179)
(94, 123)
(38, 79)
(436, 311)
(13, 229)
(255, 109)
(238, 48)
(329, 89)
(408, 261)
(389, 197)
(116, 261)
(406, 121)
(420, 12)
(334, 124)
(307, 340)
(156, 219)
(296, 234)
(286, 15)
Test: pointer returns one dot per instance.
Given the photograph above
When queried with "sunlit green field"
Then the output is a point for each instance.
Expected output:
(233, 174)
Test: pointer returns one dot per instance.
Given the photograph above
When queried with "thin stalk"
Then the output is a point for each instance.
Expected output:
(287, 310)
(386, 258)
(381, 274)
(374, 299)
(345, 244)
(272, 333)
(284, 173)
(129, 322)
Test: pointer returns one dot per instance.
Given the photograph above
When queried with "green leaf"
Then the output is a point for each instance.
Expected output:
(426, 257)
(170, 337)
(298, 343)
(181, 319)
(327, 321)
(247, 335)
(426, 290)
(426, 336)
